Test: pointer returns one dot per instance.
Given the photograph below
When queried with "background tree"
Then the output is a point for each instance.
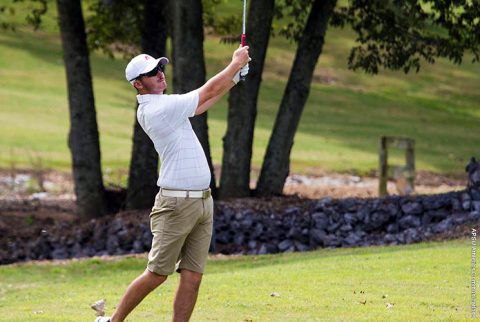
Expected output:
(242, 106)
(145, 21)
(83, 139)
(143, 174)
(189, 64)
(276, 164)
(392, 35)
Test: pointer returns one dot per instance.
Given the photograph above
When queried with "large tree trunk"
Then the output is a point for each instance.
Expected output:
(276, 164)
(237, 143)
(143, 174)
(189, 64)
(83, 139)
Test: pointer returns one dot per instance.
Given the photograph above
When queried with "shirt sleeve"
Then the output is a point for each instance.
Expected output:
(181, 107)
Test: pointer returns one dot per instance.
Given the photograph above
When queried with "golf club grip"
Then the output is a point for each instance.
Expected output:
(243, 42)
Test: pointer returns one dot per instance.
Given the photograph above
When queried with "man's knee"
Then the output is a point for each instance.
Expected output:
(191, 279)
(154, 278)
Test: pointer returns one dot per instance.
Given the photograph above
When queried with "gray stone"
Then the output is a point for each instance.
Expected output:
(352, 239)
(317, 236)
(412, 208)
(442, 226)
(346, 228)
(476, 205)
(350, 218)
(284, 245)
(409, 222)
(475, 194)
(320, 220)
(392, 228)
(467, 204)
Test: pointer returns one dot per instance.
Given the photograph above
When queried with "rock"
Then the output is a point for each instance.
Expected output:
(467, 205)
(473, 170)
(392, 228)
(412, 208)
(442, 226)
(59, 253)
(262, 250)
(300, 246)
(352, 239)
(285, 245)
(475, 194)
(350, 218)
(333, 227)
(476, 205)
(346, 228)
(409, 222)
(456, 204)
(317, 236)
(252, 244)
(320, 220)
(411, 235)
(474, 215)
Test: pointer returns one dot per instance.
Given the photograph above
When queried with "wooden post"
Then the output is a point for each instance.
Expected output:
(410, 160)
(382, 187)
(408, 171)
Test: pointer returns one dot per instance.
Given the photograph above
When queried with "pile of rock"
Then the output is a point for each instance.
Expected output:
(247, 230)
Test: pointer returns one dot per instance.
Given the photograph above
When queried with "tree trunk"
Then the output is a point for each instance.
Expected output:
(83, 139)
(276, 164)
(143, 174)
(189, 64)
(238, 140)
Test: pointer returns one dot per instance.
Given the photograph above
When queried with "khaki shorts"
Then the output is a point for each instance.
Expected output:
(182, 231)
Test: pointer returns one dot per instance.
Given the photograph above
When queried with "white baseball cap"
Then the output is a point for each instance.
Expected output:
(141, 64)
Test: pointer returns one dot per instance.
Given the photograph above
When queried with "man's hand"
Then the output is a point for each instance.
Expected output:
(241, 57)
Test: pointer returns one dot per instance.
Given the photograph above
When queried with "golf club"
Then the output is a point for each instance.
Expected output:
(243, 40)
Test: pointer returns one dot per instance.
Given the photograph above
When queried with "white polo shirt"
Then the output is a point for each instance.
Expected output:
(165, 120)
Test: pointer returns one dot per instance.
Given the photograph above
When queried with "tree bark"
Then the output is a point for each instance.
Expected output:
(189, 64)
(143, 173)
(238, 140)
(276, 164)
(83, 139)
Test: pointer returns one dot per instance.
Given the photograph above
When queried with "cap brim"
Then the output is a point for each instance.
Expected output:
(153, 63)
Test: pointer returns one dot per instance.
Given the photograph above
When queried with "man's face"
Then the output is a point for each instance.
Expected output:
(156, 84)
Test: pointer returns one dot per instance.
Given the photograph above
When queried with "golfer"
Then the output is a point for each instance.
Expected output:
(182, 216)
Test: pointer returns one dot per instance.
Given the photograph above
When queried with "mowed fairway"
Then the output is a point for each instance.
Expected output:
(345, 115)
(421, 282)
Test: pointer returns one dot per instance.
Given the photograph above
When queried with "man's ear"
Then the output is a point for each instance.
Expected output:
(137, 84)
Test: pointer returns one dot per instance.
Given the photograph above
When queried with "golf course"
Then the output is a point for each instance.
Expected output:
(346, 114)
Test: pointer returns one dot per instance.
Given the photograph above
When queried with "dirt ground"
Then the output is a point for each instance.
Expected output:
(49, 194)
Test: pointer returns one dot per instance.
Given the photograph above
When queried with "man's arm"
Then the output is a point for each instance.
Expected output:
(205, 106)
(219, 84)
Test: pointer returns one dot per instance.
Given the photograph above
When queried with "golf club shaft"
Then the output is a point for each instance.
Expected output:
(243, 40)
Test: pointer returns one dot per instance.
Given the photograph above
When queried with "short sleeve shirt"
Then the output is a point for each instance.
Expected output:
(165, 120)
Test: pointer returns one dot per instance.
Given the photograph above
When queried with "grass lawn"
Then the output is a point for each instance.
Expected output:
(345, 115)
(423, 282)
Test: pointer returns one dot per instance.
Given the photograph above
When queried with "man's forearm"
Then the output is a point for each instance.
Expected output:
(205, 106)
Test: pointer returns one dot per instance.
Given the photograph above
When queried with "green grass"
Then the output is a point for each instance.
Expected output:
(424, 282)
(339, 130)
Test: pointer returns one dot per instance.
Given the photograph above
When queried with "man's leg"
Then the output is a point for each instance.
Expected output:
(136, 292)
(186, 297)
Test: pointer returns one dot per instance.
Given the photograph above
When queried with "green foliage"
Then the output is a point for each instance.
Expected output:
(115, 26)
(398, 34)
(294, 14)
(38, 8)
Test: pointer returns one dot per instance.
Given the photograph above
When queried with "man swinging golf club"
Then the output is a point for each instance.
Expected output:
(182, 215)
